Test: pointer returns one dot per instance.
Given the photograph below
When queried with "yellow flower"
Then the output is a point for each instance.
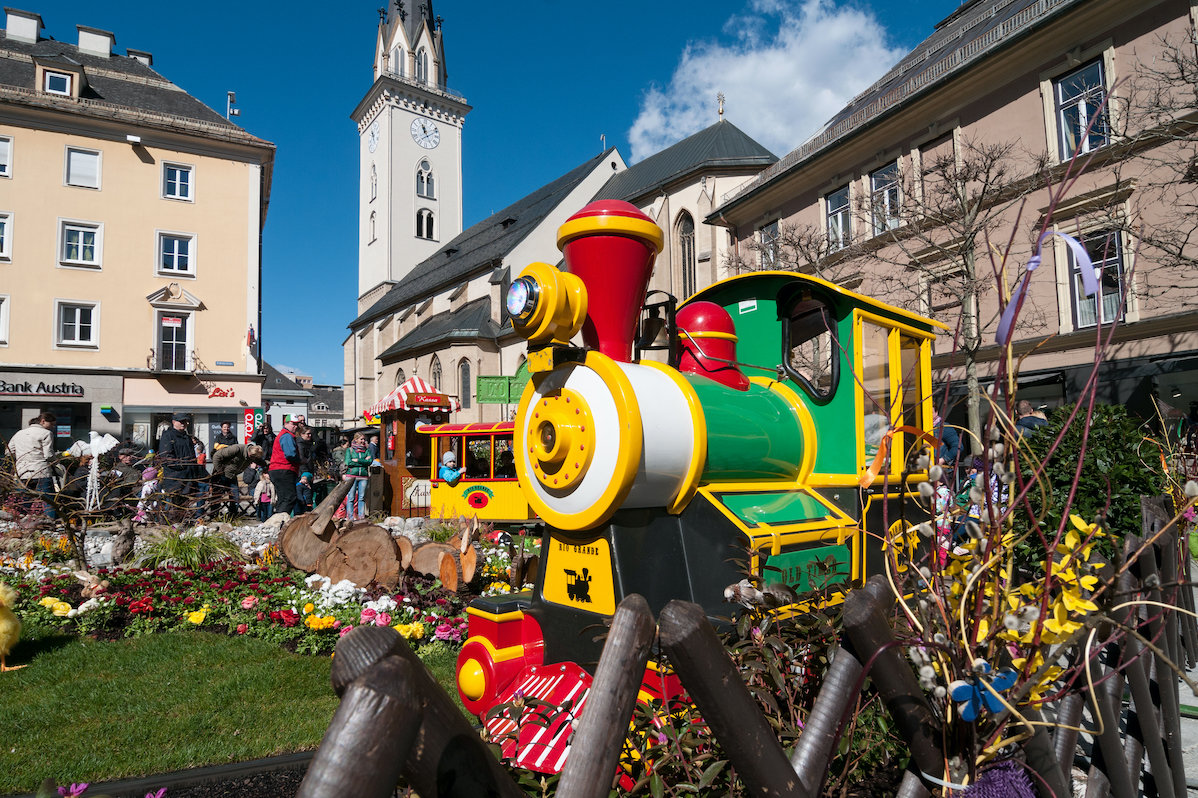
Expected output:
(60, 608)
(197, 617)
(48, 602)
(309, 607)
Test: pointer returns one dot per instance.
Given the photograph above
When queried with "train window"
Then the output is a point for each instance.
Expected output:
(812, 359)
(912, 382)
(478, 457)
(875, 381)
(505, 457)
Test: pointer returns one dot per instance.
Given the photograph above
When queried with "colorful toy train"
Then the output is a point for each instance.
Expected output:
(779, 446)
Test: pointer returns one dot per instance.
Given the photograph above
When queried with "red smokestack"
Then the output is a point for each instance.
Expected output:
(610, 245)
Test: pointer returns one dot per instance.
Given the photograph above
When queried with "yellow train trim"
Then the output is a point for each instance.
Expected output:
(499, 654)
(497, 617)
(694, 469)
(614, 224)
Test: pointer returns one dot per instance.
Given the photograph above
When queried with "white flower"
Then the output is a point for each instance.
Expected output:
(1191, 489)
(935, 473)
(926, 490)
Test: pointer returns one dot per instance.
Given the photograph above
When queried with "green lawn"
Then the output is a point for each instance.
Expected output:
(94, 711)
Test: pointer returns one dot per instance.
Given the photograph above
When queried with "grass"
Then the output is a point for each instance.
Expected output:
(95, 711)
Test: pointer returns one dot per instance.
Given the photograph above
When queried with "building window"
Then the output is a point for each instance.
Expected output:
(424, 181)
(686, 252)
(176, 181)
(421, 66)
(400, 379)
(1106, 253)
(78, 324)
(396, 64)
(5, 300)
(173, 335)
(838, 219)
(371, 231)
(768, 239)
(374, 182)
(465, 386)
(57, 83)
(176, 253)
(424, 224)
(5, 156)
(5, 236)
(320, 407)
(434, 373)
(884, 198)
(81, 244)
(1079, 101)
(83, 168)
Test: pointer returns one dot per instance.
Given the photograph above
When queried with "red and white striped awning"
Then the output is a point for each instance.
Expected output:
(415, 394)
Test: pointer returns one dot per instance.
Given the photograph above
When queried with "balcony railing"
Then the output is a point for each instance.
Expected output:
(427, 85)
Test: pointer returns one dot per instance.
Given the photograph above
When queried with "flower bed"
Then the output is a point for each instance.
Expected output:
(305, 614)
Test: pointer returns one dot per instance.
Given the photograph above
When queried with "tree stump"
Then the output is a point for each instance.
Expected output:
(363, 555)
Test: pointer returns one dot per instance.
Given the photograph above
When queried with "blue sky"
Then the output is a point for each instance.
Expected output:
(546, 79)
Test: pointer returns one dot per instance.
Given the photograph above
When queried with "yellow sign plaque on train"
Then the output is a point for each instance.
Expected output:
(579, 575)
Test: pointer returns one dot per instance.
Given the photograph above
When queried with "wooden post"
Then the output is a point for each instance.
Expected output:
(912, 786)
(869, 633)
(1149, 723)
(365, 745)
(1069, 718)
(1042, 760)
(839, 691)
(724, 702)
(447, 759)
(595, 750)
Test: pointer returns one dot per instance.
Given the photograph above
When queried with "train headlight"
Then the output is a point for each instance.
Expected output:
(547, 306)
(561, 439)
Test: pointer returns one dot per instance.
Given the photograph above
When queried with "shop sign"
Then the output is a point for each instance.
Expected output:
(172, 321)
(62, 431)
(30, 388)
(218, 393)
(426, 399)
(253, 418)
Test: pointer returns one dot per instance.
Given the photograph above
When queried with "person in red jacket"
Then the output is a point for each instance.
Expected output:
(284, 466)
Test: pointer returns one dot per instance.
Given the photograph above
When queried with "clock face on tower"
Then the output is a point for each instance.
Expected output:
(425, 133)
(373, 140)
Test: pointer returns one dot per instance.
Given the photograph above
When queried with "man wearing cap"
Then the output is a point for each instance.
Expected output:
(284, 467)
(177, 455)
(124, 479)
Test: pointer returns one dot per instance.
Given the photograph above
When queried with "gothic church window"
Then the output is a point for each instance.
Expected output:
(686, 252)
(424, 181)
(434, 373)
(374, 182)
(421, 66)
(424, 224)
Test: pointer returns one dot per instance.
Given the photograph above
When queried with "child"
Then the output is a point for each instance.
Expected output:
(303, 494)
(144, 505)
(264, 496)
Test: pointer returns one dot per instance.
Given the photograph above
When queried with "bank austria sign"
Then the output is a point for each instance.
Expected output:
(40, 388)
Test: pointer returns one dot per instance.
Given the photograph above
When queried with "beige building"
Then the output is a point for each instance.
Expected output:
(130, 222)
(931, 189)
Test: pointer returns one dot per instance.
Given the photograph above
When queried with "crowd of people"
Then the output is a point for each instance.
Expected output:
(181, 480)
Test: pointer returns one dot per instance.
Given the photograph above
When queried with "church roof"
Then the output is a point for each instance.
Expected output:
(470, 322)
(973, 32)
(721, 146)
(480, 247)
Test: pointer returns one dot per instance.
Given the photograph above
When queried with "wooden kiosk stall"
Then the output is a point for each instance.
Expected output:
(402, 451)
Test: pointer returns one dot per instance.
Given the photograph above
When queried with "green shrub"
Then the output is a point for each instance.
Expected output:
(1115, 471)
(183, 550)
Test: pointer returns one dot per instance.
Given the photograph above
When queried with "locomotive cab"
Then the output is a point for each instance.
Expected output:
(776, 450)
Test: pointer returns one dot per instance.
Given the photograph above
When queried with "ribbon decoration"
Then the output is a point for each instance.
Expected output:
(883, 454)
(1084, 265)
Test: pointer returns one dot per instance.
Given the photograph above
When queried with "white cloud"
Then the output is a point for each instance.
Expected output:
(787, 68)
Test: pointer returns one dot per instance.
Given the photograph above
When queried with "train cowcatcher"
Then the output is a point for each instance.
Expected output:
(779, 431)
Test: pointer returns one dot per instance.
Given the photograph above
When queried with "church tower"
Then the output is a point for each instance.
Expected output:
(410, 150)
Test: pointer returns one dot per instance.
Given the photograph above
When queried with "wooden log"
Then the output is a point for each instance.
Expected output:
(1169, 576)
(448, 571)
(912, 786)
(362, 555)
(426, 558)
(1109, 698)
(1148, 721)
(869, 633)
(595, 751)
(405, 552)
(724, 702)
(1069, 718)
(448, 759)
(369, 737)
(1042, 761)
(839, 691)
(304, 538)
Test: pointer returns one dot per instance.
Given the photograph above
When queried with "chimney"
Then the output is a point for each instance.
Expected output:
(141, 55)
(23, 26)
(93, 41)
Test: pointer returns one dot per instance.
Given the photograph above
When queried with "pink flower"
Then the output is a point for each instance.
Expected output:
(346, 629)
(241, 629)
(444, 631)
(368, 615)
(382, 619)
(336, 624)
(160, 794)
(249, 602)
(74, 791)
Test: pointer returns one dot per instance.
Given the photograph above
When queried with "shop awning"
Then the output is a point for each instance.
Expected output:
(467, 429)
(415, 394)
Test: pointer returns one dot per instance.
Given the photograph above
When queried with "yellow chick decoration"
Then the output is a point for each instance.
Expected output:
(10, 626)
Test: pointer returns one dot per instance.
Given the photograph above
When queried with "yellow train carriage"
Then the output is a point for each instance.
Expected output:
(489, 488)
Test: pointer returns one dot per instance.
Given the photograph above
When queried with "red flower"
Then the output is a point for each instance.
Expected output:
(262, 616)
(289, 617)
(241, 627)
